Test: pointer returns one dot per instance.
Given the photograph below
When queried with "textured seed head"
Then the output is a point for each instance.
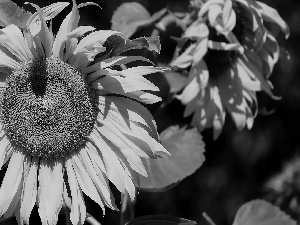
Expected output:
(47, 108)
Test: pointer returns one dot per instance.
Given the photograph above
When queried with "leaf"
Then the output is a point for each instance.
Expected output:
(175, 80)
(187, 155)
(116, 45)
(129, 17)
(160, 220)
(259, 212)
(11, 13)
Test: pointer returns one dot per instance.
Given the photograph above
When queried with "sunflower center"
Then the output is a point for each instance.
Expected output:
(47, 108)
(219, 61)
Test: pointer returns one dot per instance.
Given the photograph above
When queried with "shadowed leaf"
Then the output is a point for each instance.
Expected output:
(160, 220)
(116, 45)
(187, 155)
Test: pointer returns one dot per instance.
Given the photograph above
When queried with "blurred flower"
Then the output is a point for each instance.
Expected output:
(230, 54)
(66, 112)
(284, 188)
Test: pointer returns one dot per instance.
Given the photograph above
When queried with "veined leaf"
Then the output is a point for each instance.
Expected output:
(187, 155)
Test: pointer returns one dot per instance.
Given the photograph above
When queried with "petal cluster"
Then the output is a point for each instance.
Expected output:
(124, 131)
(230, 54)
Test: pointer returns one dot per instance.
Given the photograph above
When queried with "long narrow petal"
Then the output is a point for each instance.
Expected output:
(112, 164)
(50, 184)
(12, 38)
(84, 180)
(111, 151)
(118, 60)
(78, 209)
(207, 6)
(123, 148)
(8, 62)
(270, 14)
(45, 37)
(100, 170)
(69, 24)
(126, 111)
(223, 46)
(29, 193)
(15, 201)
(4, 143)
(186, 58)
(69, 42)
(197, 29)
(120, 85)
(11, 181)
(199, 75)
(49, 12)
(100, 180)
(142, 70)
(98, 37)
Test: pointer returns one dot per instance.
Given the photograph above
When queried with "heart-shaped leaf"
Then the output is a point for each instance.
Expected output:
(11, 13)
(259, 212)
(187, 155)
(129, 17)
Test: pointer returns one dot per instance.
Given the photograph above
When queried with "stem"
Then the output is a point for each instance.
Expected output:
(91, 219)
(208, 219)
(127, 209)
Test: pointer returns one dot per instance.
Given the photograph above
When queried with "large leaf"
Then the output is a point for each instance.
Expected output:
(11, 13)
(187, 155)
(128, 17)
(259, 212)
(160, 220)
(131, 16)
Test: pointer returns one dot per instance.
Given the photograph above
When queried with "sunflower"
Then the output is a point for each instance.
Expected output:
(71, 120)
(229, 52)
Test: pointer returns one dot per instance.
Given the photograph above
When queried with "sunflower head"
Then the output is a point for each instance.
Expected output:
(48, 108)
(70, 116)
(229, 54)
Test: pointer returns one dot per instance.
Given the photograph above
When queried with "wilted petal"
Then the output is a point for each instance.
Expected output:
(271, 14)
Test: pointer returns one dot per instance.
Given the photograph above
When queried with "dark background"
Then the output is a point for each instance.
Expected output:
(239, 163)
